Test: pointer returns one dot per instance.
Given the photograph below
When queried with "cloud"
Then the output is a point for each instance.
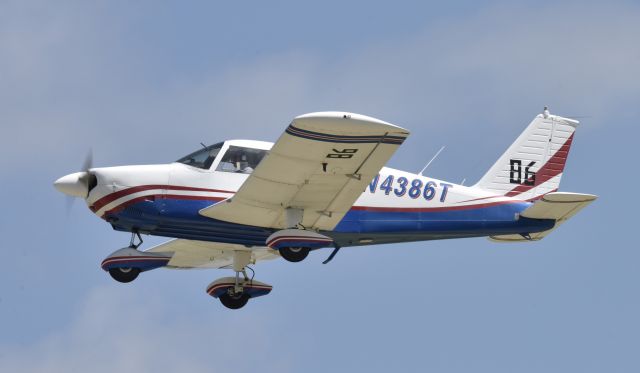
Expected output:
(113, 331)
(502, 58)
(73, 79)
(73, 75)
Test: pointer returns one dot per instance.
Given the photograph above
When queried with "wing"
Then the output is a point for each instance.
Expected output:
(559, 206)
(204, 254)
(319, 166)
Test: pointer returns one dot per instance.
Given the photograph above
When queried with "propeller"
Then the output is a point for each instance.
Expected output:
(83, 178)
(88, 161)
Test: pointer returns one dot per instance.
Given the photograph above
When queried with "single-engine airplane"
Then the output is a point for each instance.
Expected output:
(322, 184)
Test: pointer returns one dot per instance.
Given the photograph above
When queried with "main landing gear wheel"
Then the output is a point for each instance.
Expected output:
(234, 301)
(124, 275)
(294, 254)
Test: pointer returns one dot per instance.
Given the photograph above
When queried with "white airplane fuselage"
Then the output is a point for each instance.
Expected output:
(397, 206)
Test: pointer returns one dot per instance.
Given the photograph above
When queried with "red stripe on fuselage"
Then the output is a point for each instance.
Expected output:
(431, 209)
(355, 208)
(100, 203)
(480, 199)
(153, 197)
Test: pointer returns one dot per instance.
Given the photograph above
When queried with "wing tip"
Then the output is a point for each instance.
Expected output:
(569, 197)
(338, 117)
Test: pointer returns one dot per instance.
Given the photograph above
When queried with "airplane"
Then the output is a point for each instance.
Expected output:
(322, 184)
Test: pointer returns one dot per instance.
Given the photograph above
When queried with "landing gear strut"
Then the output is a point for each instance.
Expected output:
(235, 292)
(235, 297)
(127, 274)
(233, 300)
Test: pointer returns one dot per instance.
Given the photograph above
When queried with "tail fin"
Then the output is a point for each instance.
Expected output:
(533, 164)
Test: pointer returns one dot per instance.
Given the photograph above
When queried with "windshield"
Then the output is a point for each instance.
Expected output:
(240, 159)
(202, 158)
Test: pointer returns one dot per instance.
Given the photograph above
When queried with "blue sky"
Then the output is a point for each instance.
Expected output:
(146, 82)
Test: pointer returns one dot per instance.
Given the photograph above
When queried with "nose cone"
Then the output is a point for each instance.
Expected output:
(73, 184)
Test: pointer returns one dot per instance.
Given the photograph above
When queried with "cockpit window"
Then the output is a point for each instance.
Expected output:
(241, 160)
(202, 158)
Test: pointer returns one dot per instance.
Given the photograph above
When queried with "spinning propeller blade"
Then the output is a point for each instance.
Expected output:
(88, 161)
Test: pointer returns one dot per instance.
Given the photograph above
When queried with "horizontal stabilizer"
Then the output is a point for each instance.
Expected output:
(558, 206)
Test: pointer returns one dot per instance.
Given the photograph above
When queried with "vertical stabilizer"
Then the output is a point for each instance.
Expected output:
(533, 164)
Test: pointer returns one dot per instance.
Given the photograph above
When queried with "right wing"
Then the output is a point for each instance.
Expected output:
(205, 254)
(318, 168)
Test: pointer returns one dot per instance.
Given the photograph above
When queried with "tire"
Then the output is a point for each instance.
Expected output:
(234, 302)
(124, 275)
(294, 254)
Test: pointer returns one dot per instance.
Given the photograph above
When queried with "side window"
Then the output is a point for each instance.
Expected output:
(240, 160)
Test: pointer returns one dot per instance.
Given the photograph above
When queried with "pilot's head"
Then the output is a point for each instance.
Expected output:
(242, 161)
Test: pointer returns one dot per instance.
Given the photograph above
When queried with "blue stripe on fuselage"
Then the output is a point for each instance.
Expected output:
(179, 218)
(490, 219)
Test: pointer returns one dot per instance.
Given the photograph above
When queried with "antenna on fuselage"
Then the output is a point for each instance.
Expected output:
(203, 145)
(432, 159)
(463, 180)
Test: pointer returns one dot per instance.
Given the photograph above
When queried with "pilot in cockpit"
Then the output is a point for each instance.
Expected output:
(240, 159)
(242, 165)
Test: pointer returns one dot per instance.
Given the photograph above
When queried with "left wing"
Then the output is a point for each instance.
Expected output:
(204, 254)
(317, 168)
